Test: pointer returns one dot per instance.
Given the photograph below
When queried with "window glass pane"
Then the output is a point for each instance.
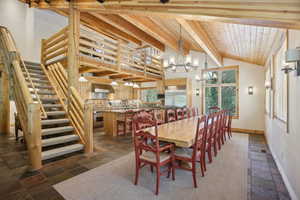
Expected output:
(229, 76)
(211, 77)
(229, 99)
(211, 98)
(169, 100)
(175, 99)
(149, 95)
(180, 100)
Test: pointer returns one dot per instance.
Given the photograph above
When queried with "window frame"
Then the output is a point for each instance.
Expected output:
(147, 88)
(219, 85)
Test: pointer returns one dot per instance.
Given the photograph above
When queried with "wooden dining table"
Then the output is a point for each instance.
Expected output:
(182, 132)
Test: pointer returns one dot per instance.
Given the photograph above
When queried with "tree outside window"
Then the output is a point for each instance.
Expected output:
(222, 89)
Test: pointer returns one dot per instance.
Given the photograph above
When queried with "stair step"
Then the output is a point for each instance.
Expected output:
(32, 71)
(61, 151)
(52, 105)
(48, 100)
(32, 63)
(42, 92)
(43, 77)
(38, 81)
(55, 121)
(55, 113)
(41, 86)
(59, 140)
(51, 131)
(34, 67)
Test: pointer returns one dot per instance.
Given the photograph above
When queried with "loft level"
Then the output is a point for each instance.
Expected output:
(99, 53)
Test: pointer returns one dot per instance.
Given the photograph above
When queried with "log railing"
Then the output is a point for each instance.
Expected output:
(103, 49)
(79, 112)
(29, 111)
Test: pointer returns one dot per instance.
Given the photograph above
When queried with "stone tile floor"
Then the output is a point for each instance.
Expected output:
(264, 179)
(16, 183)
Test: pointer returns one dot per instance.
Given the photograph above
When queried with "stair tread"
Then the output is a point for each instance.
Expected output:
(61, 151)
(52, 106)
(41, 92)
(55, 121)
(59, 140)
(56, 112)
(50, 131)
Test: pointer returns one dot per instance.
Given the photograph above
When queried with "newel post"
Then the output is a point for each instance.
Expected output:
(33, 136)
(88, 127)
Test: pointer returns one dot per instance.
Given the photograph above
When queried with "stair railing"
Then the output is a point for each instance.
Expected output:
(79, 112)
(29, 112)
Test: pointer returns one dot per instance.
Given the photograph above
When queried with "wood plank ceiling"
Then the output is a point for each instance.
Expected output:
(243, 30)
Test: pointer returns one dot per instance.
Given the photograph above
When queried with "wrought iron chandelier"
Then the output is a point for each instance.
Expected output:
(180, 60)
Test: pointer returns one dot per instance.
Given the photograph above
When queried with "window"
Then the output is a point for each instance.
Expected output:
(280, 86)
(175, 98)
(149, 95)
(221, 89)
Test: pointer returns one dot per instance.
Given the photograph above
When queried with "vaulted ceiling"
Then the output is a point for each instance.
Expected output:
(245, 30)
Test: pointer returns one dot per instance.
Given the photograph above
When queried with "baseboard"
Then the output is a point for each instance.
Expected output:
(239, 130)
(284, 177)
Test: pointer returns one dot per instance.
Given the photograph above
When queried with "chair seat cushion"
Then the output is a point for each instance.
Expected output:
(151, 157)
(183, 152)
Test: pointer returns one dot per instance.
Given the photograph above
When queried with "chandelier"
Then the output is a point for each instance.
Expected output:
(181, 60)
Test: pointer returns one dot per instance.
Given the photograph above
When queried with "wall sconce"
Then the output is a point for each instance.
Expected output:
(268, 84)
(197, 92)
(250, 90)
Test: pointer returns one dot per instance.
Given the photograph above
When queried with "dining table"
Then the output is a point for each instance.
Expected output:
(182, 132)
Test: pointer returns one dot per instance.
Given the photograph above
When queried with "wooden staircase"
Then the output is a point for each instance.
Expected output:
(58, 137)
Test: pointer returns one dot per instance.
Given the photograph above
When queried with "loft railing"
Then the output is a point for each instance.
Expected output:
(29, 111)
(103, 49)
(79, 112)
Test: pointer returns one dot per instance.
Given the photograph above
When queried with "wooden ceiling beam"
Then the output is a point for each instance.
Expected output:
(198, 33)
(268, 10)
(149, 26)
(130, 28)
(104, 73)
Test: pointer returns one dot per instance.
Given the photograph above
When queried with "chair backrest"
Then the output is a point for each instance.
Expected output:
(159, 115)
(179, 114)
(211, 125)
(213, 109)
(171, 115)
(201, 135)
(185, 113)
(142, 138)
(229, 119)
(142, 120)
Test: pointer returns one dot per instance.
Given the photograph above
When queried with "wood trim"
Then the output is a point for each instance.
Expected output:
(239, 130)
(176, 82)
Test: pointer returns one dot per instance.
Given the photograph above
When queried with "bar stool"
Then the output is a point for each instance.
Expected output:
(171, 115)
(125, 125)
(179, 114)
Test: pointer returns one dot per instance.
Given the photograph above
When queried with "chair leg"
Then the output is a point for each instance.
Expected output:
(194, 174)
(157, 179)
(215, 148)
(169, 170)
(209, 154)
(151, 168)
(202, 165)
(137, 171)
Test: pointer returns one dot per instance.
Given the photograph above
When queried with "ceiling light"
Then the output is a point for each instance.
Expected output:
(135, 85)
(114, 83)
(82, 79)
(126, 84)
(131, 84)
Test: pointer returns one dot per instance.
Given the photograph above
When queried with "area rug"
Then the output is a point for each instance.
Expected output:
(225, 179)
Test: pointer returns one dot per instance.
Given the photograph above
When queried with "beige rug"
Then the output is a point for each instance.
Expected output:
(225, 179)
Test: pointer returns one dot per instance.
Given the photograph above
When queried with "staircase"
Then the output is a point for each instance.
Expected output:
(58, 136)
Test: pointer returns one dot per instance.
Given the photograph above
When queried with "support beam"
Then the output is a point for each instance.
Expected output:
(130, 28)
(4, 104)
(73, 47)
(198, 33)
(149, 26)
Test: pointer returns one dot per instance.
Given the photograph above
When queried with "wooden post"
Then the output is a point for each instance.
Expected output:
(4, 104)
(88, 127)
(42, 52)
(34, 137)
(73, 47)
(119, 57)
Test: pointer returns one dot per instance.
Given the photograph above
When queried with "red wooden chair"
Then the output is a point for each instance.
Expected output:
(148, 151)
(144, 123)
(179, 114)
(170, 115)
(189, 112)
(198, 151)
(213, 109)
(158, 115)
(228, 125)
(125, 125)
(211, 136)
(185, 113)
(220, 129)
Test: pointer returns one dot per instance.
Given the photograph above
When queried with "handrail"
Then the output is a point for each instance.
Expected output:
(75, 107)
(29, 112)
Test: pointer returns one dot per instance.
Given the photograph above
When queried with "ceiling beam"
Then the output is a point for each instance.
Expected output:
(198, 33)
(269, 10)
(149, 26)
(128, 27)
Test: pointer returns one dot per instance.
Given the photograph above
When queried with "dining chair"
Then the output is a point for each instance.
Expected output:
(170, 115)
(125, 125)
(149, 151)
(198, 151)
(185, 113)
(179, 114)
(143, 123)
(213, 109)
(228, 125)
(220, 129)
(189, 112)
(158, 115)
(210, 142)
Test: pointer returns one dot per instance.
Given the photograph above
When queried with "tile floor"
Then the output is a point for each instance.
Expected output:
(16, 183)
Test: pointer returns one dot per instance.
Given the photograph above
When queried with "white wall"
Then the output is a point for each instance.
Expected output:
(29, 26)
(285, 146)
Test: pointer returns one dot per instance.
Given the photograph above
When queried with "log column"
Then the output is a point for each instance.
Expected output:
(4, 103)
(73, 47)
